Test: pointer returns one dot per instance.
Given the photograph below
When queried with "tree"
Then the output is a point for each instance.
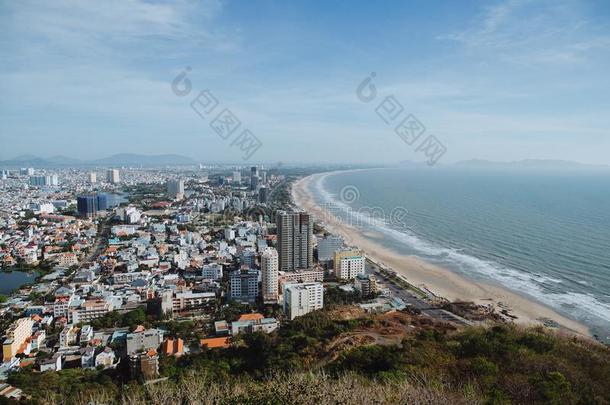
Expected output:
(554, 388)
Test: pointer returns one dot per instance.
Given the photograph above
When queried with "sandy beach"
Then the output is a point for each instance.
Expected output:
(440, 281)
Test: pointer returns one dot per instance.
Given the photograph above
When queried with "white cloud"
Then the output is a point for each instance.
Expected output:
(525, 32)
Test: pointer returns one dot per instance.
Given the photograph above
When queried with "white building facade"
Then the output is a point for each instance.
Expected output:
(270, 275)
(302, 298)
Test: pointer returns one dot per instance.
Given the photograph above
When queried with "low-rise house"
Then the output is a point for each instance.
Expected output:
(68, 336)
(84, 276)
(173, 347)
(366, 284)
(86, 334)
(250, 323)
(10, 392)
(145, 364)
(67, 259)
(212, 271)
(221, 328)
(89, 310)
(88, 357)
(301, 276)
(188, 300)
(53, 364)
(37, 339)
(106, 358)
(144, 340)
(216, 343)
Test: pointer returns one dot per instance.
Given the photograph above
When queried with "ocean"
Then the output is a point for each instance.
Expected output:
(544, 235)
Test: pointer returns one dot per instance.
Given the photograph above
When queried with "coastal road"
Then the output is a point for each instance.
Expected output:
(408, 297)
(415, 302)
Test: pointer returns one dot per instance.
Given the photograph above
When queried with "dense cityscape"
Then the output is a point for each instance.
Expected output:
(137, 274)
(219, 202)
(134, 264)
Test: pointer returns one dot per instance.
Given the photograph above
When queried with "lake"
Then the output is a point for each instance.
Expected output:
(13, 280)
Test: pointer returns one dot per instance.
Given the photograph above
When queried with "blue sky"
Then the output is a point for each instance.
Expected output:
(501, 80)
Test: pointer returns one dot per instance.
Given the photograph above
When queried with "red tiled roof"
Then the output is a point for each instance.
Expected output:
(251, 317)
(211, 343)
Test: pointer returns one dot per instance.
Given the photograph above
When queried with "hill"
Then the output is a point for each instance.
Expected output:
(348, 356)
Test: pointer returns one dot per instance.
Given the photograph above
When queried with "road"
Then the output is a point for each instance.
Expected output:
(100, 243)
(416, 302)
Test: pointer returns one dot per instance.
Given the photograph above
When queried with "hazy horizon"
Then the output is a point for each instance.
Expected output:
(474, 161)
(501, 81)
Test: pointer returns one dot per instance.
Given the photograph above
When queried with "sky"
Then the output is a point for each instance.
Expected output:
(497, 80)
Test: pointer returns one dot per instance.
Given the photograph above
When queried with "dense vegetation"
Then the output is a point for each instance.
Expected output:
(117, 319)
(499, 365)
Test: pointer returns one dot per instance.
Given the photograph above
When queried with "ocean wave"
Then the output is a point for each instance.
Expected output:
(579, 305)
(583, 306)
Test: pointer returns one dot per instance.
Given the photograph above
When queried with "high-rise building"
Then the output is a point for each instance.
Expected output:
(248, 257)
(351, 267)
(302, 298)
(87, 205)
(38, 181)
(294, 240)
(254, 180)
(229, 234)
(244, 285)
(327, 248)
(42, 181)
(112, 176)
(237, 176)
(349, 263)
(102, 202)
(16, 336)
(175, 189)
(212, 271)
(262, 195)
(92, 177)
(270, 273)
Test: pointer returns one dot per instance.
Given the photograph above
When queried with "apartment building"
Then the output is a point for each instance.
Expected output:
(302, 298)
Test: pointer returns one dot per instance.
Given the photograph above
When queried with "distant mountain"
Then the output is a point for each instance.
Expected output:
(63, 160)
(123, 159)
(126, 159)
(25, 158)
(25, 161)
(411, 163)
(529, 164)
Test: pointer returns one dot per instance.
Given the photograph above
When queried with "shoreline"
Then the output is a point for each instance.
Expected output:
(440, 281)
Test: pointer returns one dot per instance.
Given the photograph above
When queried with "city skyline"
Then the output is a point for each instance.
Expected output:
(503, 81)
(309, 202)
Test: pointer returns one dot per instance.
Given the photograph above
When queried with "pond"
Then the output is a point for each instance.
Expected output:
(10, 281)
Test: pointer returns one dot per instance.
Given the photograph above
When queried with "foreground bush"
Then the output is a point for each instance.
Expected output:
(313, 360)
(295, 388)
